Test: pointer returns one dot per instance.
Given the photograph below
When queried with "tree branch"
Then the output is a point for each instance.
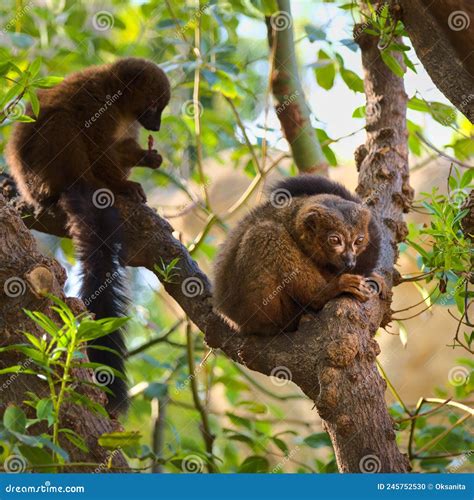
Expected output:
(443, 38)
(291, 107)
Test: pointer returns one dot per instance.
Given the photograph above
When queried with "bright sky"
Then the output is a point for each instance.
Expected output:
(334, 108)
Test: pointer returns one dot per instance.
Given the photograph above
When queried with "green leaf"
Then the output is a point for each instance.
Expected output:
(37, 456)
(75, 439)
(255, 463)
(23, 119)
(402, 333)
(14, 419)
(325, 72)
(225, 85)
(353, 81)
(314, 33)
(17, 369)
(392, 63)
(47, 82)
(267, 7)
(45, 410)
(35, 104)
(114, 440)
(35, 67)
(317, 440)
(281, 444)
(239, 421)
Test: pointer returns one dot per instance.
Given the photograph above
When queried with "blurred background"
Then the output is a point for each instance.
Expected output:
(211, 132)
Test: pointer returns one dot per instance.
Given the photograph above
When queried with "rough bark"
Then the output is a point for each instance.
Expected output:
(24, 273)
(442, 33)
(291, 106)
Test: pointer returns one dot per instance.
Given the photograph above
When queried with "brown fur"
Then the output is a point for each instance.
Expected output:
(278, 262)
(84, 139)
(68, 142)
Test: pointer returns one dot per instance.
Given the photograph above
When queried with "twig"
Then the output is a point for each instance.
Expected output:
(392, 388)
(207, 435)
(158, 419)
(244, 133)
(197, 108)
(441, 153)
(266, 391)
(162, 338)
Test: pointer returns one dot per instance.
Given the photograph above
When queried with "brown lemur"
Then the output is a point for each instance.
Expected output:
(310, 242)
(78, 154)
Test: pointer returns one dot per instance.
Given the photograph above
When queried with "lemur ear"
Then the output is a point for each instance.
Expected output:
(314, 215)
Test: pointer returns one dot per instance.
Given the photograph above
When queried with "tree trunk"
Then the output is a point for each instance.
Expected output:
(24, 274)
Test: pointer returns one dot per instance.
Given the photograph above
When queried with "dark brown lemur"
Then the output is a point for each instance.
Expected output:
(312, 241)
(79, 153)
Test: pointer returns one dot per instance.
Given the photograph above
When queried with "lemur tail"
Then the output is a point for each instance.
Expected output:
(98, 241)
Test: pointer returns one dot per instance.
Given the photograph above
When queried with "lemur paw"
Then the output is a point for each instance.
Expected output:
(355, 285)
(152, 159)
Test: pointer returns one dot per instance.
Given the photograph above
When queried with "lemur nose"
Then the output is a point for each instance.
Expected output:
(349, 261)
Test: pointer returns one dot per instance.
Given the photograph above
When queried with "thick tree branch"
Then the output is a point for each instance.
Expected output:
(443, 37)
(291, 107)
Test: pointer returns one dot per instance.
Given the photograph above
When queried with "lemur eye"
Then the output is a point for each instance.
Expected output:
(334, 240)
(359, 240)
